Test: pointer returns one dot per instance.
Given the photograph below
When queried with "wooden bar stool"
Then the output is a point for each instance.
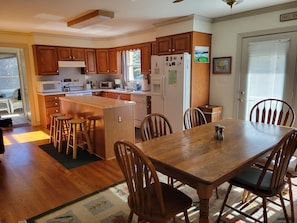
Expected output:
(92, 126)
(78, 136)
(62, 130)
(53, 127)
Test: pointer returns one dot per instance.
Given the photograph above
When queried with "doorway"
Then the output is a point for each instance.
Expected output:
(13, 86)
(268, 66)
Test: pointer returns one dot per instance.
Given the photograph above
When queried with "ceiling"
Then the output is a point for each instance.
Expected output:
(130, 15)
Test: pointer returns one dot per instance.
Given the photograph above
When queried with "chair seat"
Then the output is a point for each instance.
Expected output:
(171, 196)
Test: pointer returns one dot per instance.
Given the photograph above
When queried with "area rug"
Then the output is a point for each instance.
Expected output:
(83, 156)
(110, 206)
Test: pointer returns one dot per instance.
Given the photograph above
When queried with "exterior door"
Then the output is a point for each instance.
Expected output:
(267, 70)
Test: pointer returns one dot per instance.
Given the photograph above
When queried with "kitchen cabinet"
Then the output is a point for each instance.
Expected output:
(48, 104)
(142, 108)
(97, 93)
(146, 52)
(114, 62)
(90, 59)
(45, 60)
(116, 95)
(71, 53)
(212, 112)
(174, 44)
(102, 60)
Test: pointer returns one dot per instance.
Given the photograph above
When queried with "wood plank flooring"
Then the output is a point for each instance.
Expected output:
(31, 182)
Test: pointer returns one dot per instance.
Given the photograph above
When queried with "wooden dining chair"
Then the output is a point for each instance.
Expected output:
(276, 112)
(193, 117)
(151, 200)
(273, 111)
(268, 181)
(154, 125)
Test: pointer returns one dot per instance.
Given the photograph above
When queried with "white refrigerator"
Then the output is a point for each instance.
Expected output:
(170, 85)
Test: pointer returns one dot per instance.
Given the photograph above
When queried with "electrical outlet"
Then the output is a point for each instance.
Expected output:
(120, 118)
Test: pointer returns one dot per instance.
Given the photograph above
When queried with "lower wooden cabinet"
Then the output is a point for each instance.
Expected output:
(48, 105)
(116, 95)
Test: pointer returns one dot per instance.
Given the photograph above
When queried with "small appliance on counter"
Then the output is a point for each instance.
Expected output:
(48, 86)
(106, 84)
(118, 84)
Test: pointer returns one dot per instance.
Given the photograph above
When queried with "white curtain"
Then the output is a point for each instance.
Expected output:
(267, 69)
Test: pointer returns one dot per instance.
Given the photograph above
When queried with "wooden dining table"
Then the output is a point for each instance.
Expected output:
(196, 158)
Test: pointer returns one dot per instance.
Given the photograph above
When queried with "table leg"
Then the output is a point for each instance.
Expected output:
(204, 193)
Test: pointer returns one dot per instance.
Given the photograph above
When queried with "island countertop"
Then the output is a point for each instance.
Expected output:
(97, 102)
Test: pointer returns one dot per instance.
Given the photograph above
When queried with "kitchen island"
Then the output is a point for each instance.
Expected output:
(116, 120)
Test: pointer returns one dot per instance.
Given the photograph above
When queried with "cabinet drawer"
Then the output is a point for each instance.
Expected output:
(52, 110)
(50, 104)
(53, 97)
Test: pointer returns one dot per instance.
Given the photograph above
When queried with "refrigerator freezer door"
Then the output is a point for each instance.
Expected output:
(157, 104)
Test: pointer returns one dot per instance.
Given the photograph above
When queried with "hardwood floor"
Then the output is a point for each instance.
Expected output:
(31, 182)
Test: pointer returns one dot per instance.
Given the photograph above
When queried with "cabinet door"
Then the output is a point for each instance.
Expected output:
(46, 60)
(181, 43)
(164, 45)
(64, 53)
(146, 58)
(78, 54)
(102, 59)
(113, 68)
(90, 57)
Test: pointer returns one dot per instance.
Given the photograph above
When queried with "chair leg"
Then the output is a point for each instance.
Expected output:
(284, 207)
(224, 202)
(291, 199)
(187, 220)
(130, 217)
(264, 209)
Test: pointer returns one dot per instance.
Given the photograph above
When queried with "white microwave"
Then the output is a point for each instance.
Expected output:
(48, 86)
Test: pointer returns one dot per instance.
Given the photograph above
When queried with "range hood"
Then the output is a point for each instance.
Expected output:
(71, 64)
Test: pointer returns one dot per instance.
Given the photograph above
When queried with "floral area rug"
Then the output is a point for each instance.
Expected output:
(109, 206)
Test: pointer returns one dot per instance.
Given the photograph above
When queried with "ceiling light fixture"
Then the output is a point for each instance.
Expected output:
(232, 2)
(176, 1)
(90, 19)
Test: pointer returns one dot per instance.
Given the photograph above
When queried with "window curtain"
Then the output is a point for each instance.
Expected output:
(124, 67)
(267, 65)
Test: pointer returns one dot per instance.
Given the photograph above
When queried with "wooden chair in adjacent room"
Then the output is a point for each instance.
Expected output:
(193, 117)
(268, 181)
(276, 112)
(151, 200)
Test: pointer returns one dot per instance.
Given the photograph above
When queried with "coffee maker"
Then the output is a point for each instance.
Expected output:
(118, 84)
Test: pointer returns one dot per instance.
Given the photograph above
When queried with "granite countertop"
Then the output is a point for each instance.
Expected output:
(97, 102)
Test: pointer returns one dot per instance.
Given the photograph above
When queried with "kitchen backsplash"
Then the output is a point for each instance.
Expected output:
(74, 74)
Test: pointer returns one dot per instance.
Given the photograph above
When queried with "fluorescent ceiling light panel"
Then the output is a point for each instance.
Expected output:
(90, 19)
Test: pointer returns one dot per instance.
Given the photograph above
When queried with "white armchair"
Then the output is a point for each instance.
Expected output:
(15, 101)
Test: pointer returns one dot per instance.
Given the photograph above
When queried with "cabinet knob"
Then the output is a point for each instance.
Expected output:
(169, 50)
(173, 50)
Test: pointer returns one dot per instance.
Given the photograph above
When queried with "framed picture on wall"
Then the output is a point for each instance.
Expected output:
(222, 65)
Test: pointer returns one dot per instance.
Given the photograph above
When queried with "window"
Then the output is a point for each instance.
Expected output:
(131, 60)
(9, 75)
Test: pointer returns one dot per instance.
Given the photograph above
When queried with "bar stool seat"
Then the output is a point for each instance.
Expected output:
(78, 136)
(53, 127)
(62, 130)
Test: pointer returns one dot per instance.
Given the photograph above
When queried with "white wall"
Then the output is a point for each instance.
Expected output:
(225, 42)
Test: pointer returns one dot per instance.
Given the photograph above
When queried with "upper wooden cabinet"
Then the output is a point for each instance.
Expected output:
(102, 58)
(90, 58)
(174, 44)
(107, 61)
(71, 53)
(146, 52)
(114, 63)
(46, 60)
